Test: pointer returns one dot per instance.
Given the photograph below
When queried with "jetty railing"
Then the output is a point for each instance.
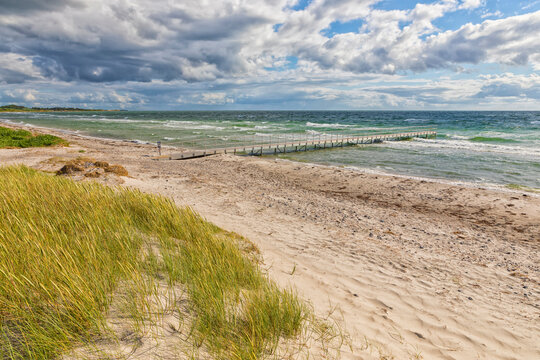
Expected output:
(261, 143)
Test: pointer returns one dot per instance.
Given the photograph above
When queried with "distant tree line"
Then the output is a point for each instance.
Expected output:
(12, 106)
(24, 108)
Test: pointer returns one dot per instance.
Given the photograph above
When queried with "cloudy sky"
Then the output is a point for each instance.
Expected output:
(272, 54)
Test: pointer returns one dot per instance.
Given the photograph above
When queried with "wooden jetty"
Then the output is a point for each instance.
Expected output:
(305, 144)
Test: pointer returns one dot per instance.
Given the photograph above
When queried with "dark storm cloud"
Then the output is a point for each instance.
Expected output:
(27, 6)
(508, 90)
(215, 29)
(416, 91)
(162, 49)
(420, 93)
(13, 77)
(103, 66)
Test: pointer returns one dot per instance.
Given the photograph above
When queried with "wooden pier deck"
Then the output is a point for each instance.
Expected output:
(306, 144)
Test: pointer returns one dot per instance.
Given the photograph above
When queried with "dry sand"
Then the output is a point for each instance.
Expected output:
(415, 268)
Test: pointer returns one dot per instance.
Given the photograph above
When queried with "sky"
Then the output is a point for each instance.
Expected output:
(271, 55)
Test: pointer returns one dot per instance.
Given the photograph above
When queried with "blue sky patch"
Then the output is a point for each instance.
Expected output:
(291, 62)
(338, 27)
(492, 10)
(399, 4)
(301, 5)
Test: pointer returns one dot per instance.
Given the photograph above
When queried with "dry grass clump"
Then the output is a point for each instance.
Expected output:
(91, 168)
(69, 169)
(94, 173)
(69, 249)
(101, 164)
(117, 169)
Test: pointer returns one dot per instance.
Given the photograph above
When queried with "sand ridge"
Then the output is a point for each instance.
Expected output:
(416, 269)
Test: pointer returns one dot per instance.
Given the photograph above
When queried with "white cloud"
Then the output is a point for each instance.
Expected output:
(214, 98)
(26, 95)
(530, 5)
(206, 98)
(507, 41)
(471, 4)
(16, 68)
(29, 96)
(146, 40)
(496, 14)
(205, 52)
(121, 98)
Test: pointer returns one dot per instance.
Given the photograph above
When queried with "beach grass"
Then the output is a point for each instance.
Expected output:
(10, 138)
(69, 250)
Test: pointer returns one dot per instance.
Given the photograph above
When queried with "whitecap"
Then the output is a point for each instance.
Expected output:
(334, 126)
(457, 137)
(416, 120)
(190, 125)
(465, 145)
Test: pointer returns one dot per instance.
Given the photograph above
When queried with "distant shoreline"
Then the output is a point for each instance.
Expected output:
(17, 108)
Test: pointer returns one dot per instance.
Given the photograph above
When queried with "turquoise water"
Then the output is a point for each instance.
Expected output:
(481, 147)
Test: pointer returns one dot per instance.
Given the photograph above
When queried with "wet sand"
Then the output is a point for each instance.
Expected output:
(415, 268)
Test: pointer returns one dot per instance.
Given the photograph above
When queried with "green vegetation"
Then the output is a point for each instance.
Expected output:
(522, 188)
(10, 138)
(18, 108)
(73, 252)
(492, 139)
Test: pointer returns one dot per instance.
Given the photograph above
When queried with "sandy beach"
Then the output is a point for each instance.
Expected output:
(412, 268)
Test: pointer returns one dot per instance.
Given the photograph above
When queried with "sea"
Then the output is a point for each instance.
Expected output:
(500, 148)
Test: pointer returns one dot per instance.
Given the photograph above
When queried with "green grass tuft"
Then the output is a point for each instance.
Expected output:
(10, 138)
(68, 249)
